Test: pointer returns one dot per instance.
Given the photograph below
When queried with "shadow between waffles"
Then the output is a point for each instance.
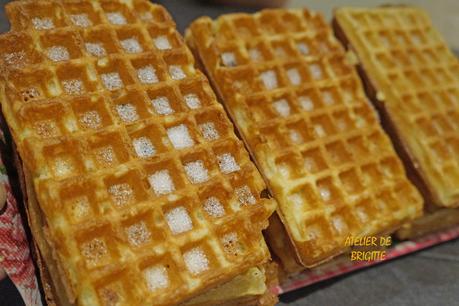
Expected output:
(184, 12)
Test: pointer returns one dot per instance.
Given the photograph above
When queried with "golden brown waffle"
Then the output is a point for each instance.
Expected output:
(301, 108)
(415, 78)
(249, 289)
(148, 196)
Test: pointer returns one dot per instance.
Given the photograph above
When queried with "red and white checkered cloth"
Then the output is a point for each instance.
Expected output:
(14, 249)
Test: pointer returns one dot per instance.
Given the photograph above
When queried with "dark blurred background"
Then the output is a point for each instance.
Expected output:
(444, 13)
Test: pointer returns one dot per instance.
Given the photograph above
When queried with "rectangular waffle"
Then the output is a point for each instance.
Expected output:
(413, 79)
(249, 289)
(147, 195)
(302, 111)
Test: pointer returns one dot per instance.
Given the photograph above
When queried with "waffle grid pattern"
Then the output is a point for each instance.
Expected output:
(418, 77)
(301, 108)
(148, 194)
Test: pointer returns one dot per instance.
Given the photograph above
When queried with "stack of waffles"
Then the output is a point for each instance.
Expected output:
(146, 194)
(413, 79)
(302, 111)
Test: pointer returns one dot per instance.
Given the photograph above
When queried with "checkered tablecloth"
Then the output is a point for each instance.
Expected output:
(15, 256)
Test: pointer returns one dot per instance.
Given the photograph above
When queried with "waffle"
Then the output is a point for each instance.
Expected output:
(412, 54)
(415, 79)
(147, 194)
(301, 109)
(248, 289)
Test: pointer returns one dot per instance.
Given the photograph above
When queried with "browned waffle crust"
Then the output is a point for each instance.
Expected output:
(412, 78)
(147, 195)
(301, 108)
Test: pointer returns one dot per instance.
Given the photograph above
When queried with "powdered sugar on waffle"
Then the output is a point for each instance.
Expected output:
(230, 238)
(176, 72)
(143, 147)
(296, 199)
(325, 193)
(147, 75)
(81, 20)
(162, 106)
(255, 54)
(269, 79)
(116, 18)
(282, 107)
(58, 53)
(106, 155)
(73, 87)
(18, 58)
(229, 59)
(161, 182)
(192, 101)
(156, 277)
(303, 48)
(284, 169)
(209, 131)
(295, 136)
(96, 49)
(180, 136)
(94, 250)
(196, 172)
(131, 45)
(178, 220)
(162, 43)
(227, 163)
(214, 208)
(245, 196)
(294, 76)
(316, 71)
(127, 112)
(138, 234)
(328, 98)
(319, 130)
(146, 16)
(306, 103)
(63, 166)
(121, 194)
(91, 119)
(80, 207)
(310, 164)
(46, 128)
(339, 224)
(42, 23)
(196, 260)
(112, 80)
